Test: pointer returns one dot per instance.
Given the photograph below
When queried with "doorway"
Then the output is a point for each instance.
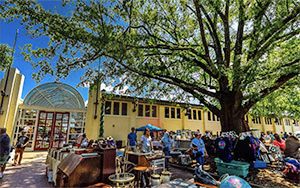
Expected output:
(52, 129)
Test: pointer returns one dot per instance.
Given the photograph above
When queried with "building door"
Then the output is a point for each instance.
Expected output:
(52, 128)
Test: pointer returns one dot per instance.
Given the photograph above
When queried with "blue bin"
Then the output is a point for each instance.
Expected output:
(259, 164)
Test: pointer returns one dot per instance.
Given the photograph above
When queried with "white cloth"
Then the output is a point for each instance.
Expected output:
(84, 143)
(146, 144)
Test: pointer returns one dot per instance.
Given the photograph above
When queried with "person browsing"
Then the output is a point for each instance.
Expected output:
(4, 150)
(146, 141)
(20, 147)
(198, 148)
(132, 140)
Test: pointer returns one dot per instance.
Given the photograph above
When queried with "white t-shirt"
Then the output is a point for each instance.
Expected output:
(146, 143)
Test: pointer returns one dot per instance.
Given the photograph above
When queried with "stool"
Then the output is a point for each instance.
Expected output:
(139, 170)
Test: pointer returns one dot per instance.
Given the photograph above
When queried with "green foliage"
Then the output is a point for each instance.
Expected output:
(5, 56)
(281, 103)
(226, 54)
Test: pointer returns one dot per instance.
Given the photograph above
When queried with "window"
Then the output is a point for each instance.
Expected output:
(178, 113)
(258, 120)
(194, 114)
(287, 122)
(218, 118)
(107, 107)
(154, 111)
(124, 109)
(167, 112)
(147, 110)
(277, 121)
(172, 112)
(268, 121)
(116, 108)
(140, 110)
(214, 117)
(208, 116)
(199, 114)
(188, 113)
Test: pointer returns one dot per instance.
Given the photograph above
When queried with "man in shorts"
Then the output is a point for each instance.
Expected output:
(4, 150)
(20, 147)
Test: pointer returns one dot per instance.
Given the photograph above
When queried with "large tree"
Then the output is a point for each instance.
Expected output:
(228, 54)
(5, 56)
(284, 102)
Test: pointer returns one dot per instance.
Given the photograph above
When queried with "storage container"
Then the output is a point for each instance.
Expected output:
(259, 164)
(237, 168)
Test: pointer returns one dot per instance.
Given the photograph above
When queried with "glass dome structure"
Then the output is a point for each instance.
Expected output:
(55, 95)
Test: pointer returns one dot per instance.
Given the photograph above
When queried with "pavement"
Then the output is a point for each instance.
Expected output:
(30, 174)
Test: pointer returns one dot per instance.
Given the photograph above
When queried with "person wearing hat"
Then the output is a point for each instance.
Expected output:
(20, 147)
(167, 144)
(198, 148)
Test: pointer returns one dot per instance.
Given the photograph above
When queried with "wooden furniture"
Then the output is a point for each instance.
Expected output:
(204, 185)
(108, 164)
(139, 158)
(146, 159)
(54, 157)
(101, 185)
(139, 171)
(79, 170)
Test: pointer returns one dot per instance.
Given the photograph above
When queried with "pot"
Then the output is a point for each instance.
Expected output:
(165, 177)
(155, 180)
(206, 167)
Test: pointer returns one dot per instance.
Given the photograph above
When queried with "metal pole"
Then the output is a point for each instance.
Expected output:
(101, 131)
(97, 93)
(3, 92)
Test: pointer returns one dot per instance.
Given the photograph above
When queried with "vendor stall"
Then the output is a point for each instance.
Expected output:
(70, 167)
(147, 159)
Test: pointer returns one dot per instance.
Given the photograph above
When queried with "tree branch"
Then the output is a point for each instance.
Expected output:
(214, 35)
(170, 80)
(203, 66)
(263, 93)
(202, 32)
(238, 46)
(274, 30)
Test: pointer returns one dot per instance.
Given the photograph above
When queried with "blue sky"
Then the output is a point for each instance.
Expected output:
(7, 35)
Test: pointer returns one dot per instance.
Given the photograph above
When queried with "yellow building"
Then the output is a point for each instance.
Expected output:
(11, 87)
(54, 113)
(123, 112)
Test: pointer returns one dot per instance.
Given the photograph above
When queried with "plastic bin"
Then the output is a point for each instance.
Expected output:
(236, 168)
(259, 164)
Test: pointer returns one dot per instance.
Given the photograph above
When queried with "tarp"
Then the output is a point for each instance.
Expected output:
(150, 127)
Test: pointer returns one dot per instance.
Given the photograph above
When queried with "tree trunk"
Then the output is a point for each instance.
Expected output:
(232, 115)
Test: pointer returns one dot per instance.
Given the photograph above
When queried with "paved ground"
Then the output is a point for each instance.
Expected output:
(30, 174)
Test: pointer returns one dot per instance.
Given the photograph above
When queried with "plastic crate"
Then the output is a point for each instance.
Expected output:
(236, 168)
(259, 164)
